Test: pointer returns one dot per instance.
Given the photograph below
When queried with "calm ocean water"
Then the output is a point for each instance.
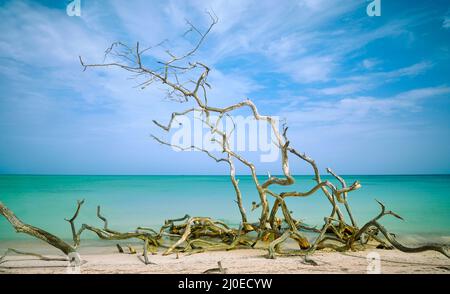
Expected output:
(130, 201)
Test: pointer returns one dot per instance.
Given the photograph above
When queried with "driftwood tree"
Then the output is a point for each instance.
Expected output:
(186, 82)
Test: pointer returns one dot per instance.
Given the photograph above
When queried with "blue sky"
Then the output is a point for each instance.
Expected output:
(363, 95)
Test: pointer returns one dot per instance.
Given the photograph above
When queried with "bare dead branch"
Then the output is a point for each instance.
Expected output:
(45, 236)
(75, 235)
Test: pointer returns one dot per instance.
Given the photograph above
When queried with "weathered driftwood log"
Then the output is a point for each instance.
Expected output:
(39, 233)
(391, 239)
(106, 233)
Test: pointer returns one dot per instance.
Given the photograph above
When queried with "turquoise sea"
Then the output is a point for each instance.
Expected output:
(131, 201)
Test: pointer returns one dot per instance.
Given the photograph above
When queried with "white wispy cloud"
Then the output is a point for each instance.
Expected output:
(370, 80)
(310, 69)
(340, 90)
(408, 71)
(44, 37)
(369, 63)
(362, 109)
